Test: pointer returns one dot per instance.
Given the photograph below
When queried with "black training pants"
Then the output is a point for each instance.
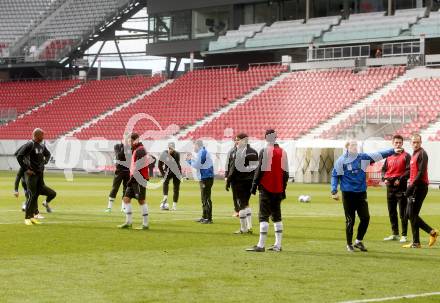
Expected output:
(414, 206)
(355, 202)
(120, 177)
(36, 187)
(205, 191)
(176, 186)
(396, 196)
(270, 206)
(242, 190)
(234, 198)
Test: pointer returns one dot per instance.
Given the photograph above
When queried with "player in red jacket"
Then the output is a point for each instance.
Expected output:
(416, 193)
(395, 174)
(136, 185)
(270, 178)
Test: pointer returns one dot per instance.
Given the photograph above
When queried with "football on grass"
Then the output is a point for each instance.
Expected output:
(304, 198)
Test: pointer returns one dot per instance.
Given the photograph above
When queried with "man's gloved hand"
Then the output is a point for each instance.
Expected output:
(254, 189)
(410, 191)
(283, 195)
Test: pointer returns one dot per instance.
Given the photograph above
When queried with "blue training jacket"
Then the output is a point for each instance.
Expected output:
(203, 164)
(350, 170)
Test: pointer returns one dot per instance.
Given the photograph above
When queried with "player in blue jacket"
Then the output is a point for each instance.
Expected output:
(350, 172)
(205, 173)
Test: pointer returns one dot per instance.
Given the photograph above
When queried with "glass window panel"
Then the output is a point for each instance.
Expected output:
(355, 51)
(323, 8)
(210, 21)
(387, 49)
(397, 48)
(406, 48)
(267, 12)
(416, 48)
(293, 9)
(365, 51)
(367, 6)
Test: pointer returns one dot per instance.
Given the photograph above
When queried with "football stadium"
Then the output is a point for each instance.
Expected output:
(154, 150)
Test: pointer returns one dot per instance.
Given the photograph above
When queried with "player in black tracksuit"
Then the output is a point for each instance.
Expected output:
(416, 193)
(170, 169)
(32, 157)
(122, 173)
(242, 165)
(229, 164)
(20, 178)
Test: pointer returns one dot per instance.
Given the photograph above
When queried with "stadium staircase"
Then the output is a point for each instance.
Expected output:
(184, 133)
(320, 131)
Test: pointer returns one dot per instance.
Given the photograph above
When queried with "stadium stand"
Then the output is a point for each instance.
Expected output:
(292, 32)
(234, 37)
(70, 24)
(185, 101)
(18, 17)
(55, 49)
(428, 26)
(74, 109)
(435, 137)
(4, 49)
(373, 26)
(299, 103)
(25, 95)
(415, 99)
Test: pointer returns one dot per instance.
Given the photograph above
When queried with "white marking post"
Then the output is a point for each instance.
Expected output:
(429, 294)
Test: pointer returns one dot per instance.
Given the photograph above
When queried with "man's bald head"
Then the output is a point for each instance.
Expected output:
(38, 135)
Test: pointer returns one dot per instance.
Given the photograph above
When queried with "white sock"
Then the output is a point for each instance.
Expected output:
(110, 202)
(165, 198)
(128, 213)
(243, 221)
(357, 241)
(144, 213)
(174, 205)
(264, 227)
(248, 217)
(278, 226)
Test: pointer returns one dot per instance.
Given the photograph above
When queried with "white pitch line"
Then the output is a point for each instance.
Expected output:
(153, 220)
(428, 294)
(182, 212)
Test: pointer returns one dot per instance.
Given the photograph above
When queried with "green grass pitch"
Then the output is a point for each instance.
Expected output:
(79, 255)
